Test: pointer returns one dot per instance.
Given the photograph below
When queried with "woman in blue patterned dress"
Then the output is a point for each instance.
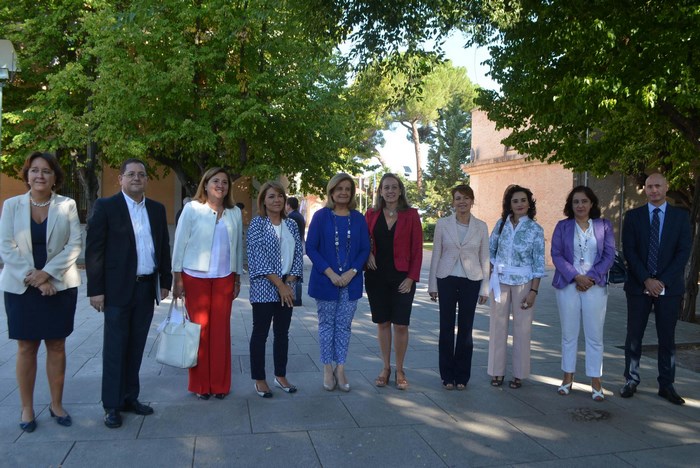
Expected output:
(275, 263)
(517, 258)
(338, 245)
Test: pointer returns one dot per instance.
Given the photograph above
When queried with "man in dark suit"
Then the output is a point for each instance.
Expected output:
(656, 242)
(127, 258)
(292, 209)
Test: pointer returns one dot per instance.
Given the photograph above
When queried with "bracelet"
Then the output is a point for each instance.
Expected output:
(535, 291)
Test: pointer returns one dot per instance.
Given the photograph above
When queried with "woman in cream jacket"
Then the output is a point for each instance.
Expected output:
(40, 242)
(458, 268)
(207, 263)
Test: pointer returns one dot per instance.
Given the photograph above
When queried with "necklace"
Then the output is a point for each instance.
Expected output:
(39, 205)
(582, 248)
(342, 266)
(391, 213)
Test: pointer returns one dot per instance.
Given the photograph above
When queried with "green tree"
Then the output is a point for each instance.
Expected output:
(254, 86)
(449, 151)
(603, 86)
(418, 110)
(45, 107)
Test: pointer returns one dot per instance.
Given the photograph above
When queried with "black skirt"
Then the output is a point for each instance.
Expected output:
(31, 316)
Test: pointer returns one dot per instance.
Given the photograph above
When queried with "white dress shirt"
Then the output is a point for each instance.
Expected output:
(145, 251)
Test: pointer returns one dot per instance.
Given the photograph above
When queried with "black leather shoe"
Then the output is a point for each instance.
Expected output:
(137, 407)
(629, 389)
(670, 394)
(113, 419)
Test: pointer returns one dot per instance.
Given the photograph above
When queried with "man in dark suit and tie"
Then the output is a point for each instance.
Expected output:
(656, 242)
(127, 258)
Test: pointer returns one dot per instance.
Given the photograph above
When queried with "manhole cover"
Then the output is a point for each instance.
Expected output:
(589, 414)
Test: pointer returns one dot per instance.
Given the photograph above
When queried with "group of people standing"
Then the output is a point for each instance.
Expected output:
(129, 268)
(656, 243)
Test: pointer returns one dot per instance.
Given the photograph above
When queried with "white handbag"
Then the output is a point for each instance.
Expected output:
(179, 340)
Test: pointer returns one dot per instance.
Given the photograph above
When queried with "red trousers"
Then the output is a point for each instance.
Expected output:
(208, 302)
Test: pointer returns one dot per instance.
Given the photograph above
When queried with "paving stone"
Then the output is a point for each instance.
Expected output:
(197, 418)
(166, 453)
(291, 449)
(279, 414)
(480, 442)
(378, 446)
(40, 454)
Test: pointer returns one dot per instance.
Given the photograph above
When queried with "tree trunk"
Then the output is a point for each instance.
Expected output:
(691, 282)
(419, 156)
(87, 173)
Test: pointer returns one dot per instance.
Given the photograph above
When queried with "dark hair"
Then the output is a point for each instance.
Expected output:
(53, 164)
(122, 168)
(293, 203)
(333, 183)
(464, 189)
(508, 196)
(201, 195)
(379, 202)
(569, 208)
(266, 187)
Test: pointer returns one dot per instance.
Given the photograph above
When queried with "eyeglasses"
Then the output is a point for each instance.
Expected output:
(44, 172)
(134, 175)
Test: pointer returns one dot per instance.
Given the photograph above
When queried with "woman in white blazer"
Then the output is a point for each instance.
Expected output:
(207, 264)
(458, 267)
(40, 242)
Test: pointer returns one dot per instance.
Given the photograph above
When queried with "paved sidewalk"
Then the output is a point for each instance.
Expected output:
(423, 426)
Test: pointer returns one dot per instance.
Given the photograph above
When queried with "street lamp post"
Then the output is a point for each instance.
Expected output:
(8, 67)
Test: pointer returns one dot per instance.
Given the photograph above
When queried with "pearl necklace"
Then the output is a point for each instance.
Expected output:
(39, 205)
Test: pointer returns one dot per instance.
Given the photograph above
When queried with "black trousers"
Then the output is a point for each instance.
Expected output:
(666, 309)
(125, 333)
(456, 358)
(280, 316)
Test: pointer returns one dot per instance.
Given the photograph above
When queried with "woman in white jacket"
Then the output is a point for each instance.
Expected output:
(39, 243)
(207, 263)
(458, 268)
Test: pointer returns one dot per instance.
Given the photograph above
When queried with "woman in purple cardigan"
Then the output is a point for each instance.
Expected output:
(583, 250)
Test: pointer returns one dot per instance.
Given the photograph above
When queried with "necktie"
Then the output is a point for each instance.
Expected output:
(654, 242)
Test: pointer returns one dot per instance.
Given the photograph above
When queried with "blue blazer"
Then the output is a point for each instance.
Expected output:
(320, 247)
(674, 249)
(563, 252)
(265, 258)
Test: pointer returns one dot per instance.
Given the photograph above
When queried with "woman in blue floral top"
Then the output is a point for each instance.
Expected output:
(517, 260)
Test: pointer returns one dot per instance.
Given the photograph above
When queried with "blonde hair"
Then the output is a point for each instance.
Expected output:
(333, 183)
(201, 195)
(379, 202)
(266, 187)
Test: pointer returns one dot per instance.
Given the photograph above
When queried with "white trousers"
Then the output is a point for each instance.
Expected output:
(512, 298)
(591, 307)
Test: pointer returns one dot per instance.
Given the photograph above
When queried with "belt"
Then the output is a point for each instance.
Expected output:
(145, 278)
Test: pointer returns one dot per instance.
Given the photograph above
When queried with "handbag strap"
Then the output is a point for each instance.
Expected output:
(185, 315)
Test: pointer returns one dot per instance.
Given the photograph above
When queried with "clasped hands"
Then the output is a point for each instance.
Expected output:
(583, 283)
(340, 281)
(40, 279)
(654, 287)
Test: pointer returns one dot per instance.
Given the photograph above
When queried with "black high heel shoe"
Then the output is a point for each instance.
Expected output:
(65, 421)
